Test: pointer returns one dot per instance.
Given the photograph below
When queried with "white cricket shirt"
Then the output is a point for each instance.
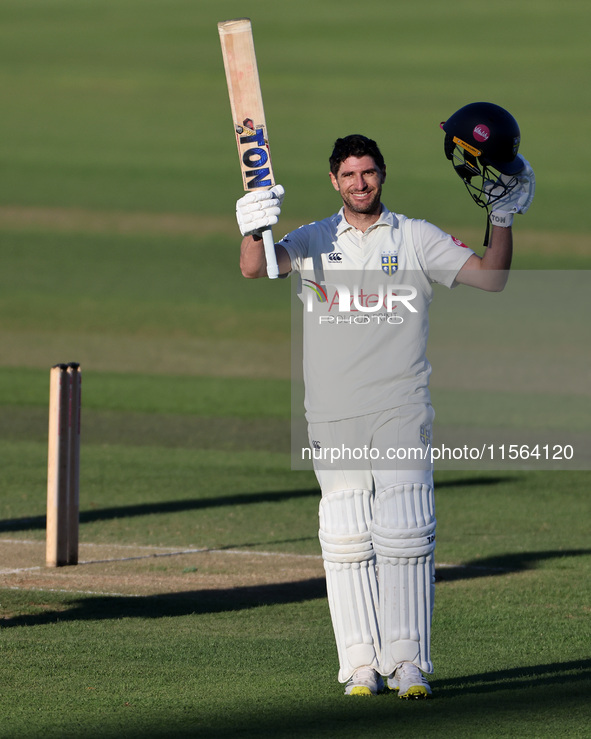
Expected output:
(365, 309)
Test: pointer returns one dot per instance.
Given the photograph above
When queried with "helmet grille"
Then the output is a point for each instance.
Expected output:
(485, 184)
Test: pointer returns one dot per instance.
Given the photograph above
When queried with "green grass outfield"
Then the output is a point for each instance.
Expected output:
(118, 249)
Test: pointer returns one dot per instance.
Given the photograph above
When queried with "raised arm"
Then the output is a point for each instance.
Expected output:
(252, 258)
(491, 271)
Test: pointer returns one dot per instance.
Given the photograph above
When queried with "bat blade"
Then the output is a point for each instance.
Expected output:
(248, 116)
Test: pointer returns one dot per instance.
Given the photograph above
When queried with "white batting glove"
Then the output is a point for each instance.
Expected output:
(517, 200)
(258, 210)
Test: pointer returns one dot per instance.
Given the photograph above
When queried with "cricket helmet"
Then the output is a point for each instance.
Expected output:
(482, 141)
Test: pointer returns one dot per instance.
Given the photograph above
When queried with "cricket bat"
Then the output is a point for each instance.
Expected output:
(248, 115)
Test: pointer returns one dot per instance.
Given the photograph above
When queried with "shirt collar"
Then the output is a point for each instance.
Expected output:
(387, 218)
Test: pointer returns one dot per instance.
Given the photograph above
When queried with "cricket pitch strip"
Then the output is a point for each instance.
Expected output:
(109, 569)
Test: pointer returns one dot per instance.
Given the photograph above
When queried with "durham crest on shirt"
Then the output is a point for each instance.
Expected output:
(389, 262)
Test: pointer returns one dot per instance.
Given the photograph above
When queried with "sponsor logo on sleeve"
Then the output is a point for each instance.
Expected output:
(457, 242)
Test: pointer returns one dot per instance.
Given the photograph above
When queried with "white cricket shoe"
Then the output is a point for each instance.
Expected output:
(364, 681)
(409, 681)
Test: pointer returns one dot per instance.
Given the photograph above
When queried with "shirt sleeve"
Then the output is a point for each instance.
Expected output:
(442, 256)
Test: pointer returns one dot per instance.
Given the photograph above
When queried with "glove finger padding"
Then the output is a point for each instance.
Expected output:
(258, 210)
(252, 223)
(521, 195)
(279, 192)
(517, 200)
(250, 209)
(526, 182)
(276, 193)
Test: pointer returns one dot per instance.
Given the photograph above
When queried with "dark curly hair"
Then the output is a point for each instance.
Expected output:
(355, 145)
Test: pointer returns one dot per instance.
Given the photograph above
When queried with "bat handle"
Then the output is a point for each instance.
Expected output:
(270, 256)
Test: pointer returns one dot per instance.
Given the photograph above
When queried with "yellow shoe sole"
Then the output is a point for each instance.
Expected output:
(417, 691)
(360, 690)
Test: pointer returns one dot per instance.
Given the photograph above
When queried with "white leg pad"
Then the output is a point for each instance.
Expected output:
(403, 534)
(351, 582)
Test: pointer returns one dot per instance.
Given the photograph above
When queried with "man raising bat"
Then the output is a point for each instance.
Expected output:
(365, 279)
